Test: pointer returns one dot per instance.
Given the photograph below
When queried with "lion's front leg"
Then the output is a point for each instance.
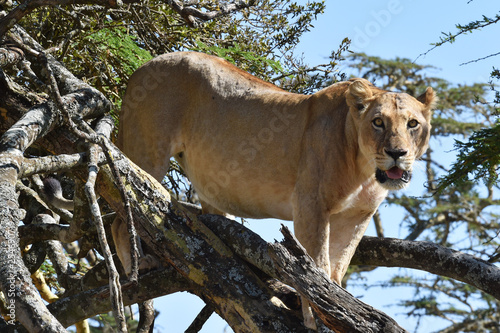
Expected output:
(312, 229)
(313, 234)
(346, 230)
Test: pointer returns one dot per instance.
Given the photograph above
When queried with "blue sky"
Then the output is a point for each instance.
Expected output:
(399, 28)
(389, 29)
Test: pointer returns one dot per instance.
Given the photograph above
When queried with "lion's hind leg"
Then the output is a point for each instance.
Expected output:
(121, 238)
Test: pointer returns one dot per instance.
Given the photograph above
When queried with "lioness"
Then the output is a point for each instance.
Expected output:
(250, 149)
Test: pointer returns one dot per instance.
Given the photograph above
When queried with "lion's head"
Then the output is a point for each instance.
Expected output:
(393, 129)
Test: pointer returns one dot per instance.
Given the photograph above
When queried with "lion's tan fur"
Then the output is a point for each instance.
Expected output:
(253, 150)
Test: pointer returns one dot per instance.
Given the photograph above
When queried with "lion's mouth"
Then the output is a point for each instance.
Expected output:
(393, 173)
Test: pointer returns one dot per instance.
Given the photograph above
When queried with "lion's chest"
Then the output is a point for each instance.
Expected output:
(364, 198)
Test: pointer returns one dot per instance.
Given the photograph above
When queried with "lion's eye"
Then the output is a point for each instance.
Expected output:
(378, 122)
(412, 123)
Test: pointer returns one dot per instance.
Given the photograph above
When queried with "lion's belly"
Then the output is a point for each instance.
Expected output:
(260, 189)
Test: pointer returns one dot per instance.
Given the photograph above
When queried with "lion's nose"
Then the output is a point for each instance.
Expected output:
(396, 153)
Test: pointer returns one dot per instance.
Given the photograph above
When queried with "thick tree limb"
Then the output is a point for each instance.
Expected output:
(374, 251)
(92, 302)
(336, 307)
(15, 281)
(457, 265)
(237, 294)
(14, 277)
(70, 310)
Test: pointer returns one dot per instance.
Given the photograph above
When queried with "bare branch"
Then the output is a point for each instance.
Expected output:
(37, 232)
(86, 304)
(200, 319)
(479, 59)
(54, 163)
(191, 14)
(391, 252)
(146, 317)
(114, 277)
(10, 56)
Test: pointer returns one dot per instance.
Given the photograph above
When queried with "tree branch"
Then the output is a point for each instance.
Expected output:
(178, 238)
(374, 251)
(75, 308)
(338, 309)
(457, 265)
(289, 263)
(10, 56)
(200, 319)
(190, 14)
(14, 277)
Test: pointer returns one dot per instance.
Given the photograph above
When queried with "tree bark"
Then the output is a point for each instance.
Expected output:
(430, 257)
(15, 281)
(288, 262)
(179, 238)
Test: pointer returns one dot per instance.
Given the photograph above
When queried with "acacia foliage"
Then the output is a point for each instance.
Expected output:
(479, 156)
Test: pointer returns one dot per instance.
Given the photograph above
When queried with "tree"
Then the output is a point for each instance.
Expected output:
(64, 68)
(479, 157)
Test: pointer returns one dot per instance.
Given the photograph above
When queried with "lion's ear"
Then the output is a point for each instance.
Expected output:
(429, 99)
(359, 94)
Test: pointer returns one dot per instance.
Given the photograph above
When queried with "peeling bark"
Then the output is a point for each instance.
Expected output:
(15, 279)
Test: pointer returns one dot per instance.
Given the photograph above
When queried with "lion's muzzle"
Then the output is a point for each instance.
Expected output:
(394, 178)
